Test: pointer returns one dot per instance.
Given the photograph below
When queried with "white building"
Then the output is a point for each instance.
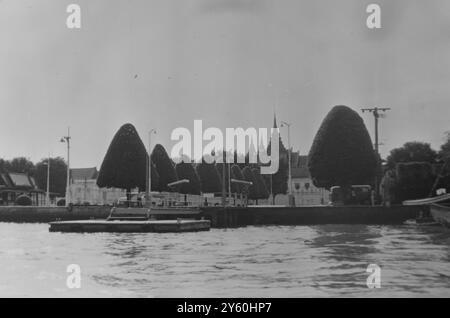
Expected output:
(84, 189)
(303, 189)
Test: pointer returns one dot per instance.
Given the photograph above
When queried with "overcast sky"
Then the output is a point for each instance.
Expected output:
(163, 63)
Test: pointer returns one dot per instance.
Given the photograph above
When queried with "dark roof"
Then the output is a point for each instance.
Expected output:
(84, 173)
(298, 161)
(299, 166)
(20, 180)
(17, 181)
(2, 180)
(302, 172)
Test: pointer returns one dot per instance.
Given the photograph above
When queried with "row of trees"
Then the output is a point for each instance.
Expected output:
(58, 171)
(415, 170)
(342, 155)
(125, 162)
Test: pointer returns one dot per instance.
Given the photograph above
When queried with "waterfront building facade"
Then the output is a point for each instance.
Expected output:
(13, 185)
(303, 189)
(84, 189)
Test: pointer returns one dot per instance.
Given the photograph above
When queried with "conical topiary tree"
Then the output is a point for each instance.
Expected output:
(165, 168)
(155, 178)
(263, 193)
(219, 167)
(185, 170)
(236, 173)
(124, 165)
(342, 153)
(253, 189)
(209, 177)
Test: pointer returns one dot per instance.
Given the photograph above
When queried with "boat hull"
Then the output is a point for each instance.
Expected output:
(441, 214)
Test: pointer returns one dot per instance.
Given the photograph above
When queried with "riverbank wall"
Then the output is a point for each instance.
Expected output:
(232, 216)
(311, 215)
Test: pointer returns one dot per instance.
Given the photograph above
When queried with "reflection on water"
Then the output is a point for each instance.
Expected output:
(329, 260)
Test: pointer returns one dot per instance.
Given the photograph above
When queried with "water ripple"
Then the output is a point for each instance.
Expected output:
(276, 261)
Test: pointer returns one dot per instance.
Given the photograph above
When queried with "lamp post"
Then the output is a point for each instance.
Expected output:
(47, 193)
(285, 124)
(229, 184)
(148, 184)
(66, 139)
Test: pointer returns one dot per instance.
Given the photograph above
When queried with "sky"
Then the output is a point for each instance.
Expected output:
(161, 64)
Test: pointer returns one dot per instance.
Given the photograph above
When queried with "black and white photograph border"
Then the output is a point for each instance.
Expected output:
(216, 149)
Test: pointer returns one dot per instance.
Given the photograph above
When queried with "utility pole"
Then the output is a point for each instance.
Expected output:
(66, 139)
(376, 114)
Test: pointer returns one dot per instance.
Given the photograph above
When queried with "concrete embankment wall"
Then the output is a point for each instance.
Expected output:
(309, 215)
(36, 214)
(232, 217)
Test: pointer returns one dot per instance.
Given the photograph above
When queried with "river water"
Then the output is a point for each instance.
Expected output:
(270, 261)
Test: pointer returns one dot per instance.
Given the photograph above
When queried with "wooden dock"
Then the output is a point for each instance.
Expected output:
(149, 226)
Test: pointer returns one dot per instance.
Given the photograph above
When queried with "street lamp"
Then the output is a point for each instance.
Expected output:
(148, 179)
(47, 193)
(66, 139)
(288, 125)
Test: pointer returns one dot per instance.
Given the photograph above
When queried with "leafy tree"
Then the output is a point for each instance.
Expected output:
(20, 165)
(209, 177)
(263, 193)
(414, 180)
(165, 168)
(342, 152)
(253, 189)
(124, 165)
(3, 165)
(443, 170)
(411, 152)
(185, 170)
(58, 175)
(444, 152)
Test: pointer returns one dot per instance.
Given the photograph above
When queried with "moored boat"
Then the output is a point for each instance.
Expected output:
(137, 220)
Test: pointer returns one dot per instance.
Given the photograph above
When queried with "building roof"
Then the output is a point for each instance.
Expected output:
(299, 166)
(302, 172)
(17, 181)
(20, 180)
(84, 173)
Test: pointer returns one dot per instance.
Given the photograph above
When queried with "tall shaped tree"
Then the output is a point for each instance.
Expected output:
(185, 170)
(124, 165)
(262, 193)
(342, 152)
(165, 167)
(209, 177)
(253, 189)
(236, 174)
